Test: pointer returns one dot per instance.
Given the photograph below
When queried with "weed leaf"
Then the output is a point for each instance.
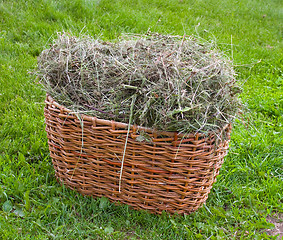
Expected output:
(109, 230)
(27, 201)
(103, 203)
(7, 206)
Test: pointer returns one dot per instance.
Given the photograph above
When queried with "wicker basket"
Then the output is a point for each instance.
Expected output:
(173, 172)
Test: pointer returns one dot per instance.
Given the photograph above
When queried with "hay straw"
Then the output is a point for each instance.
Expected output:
(180, 83)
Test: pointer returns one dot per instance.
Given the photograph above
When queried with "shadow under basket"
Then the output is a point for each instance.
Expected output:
(170, 172)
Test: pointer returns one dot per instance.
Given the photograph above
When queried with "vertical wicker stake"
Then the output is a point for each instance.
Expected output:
(154, 157)
(175, 138)
(96, 148)
(115, 147)
(134, 154)
(191, 166)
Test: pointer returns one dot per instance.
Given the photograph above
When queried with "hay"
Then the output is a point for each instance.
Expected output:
(177, 83)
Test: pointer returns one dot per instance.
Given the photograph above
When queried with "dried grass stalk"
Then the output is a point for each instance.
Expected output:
(180, 84)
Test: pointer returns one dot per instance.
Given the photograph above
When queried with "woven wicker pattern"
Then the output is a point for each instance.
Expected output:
(173, 172)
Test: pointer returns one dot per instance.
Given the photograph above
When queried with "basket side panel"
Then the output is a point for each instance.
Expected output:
(172, 174)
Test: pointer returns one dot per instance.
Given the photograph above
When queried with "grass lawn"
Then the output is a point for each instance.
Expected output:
(249, 187)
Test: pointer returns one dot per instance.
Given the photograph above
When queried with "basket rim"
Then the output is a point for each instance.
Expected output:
(51, 101)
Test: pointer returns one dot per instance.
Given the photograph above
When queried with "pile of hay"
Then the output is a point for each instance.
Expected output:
(169, 83)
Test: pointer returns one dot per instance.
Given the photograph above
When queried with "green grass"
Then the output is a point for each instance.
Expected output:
(249, 187)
